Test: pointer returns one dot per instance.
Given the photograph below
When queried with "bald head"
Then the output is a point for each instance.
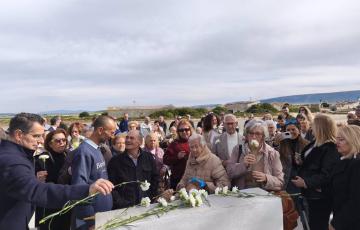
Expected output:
(102, 121)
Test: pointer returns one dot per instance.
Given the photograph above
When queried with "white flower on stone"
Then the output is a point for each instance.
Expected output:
(172, 198)
(183, 194)
(235, 189)
(199, 201)
(192, 200)
(145, 202)
(225, 190)
(194, 192)
(217, 191)
(203, 192)
(162, 202)
(145, 186)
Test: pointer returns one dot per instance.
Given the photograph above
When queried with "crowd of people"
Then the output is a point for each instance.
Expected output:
(309, 157)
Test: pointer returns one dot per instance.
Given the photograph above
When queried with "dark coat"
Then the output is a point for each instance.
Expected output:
(345, 188)
(121, 169)
(316, 169)
(21, 191)
(53, 166)
(171, 159)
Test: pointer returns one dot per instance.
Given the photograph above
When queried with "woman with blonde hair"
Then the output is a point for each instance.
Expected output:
(307, 112)
(345, 186)
(317, 160)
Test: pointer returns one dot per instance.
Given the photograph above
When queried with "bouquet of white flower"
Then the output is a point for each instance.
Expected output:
(186, 200)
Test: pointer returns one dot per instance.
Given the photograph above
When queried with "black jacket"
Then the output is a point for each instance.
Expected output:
(20, 190)
(121, 168)
(345, 188)
(316, 170)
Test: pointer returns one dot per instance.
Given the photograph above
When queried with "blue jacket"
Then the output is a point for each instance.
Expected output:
(87, 166)
(123, 126)
(21, 191)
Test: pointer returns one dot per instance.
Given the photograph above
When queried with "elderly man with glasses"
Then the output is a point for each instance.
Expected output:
(225, 144)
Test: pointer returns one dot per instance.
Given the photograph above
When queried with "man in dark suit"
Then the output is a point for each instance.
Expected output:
(20, 190)
(134, 164)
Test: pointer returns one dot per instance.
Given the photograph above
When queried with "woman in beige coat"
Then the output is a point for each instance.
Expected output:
(256, 165)
(203, 168)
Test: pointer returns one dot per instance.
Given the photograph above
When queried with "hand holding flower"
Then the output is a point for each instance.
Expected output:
(249, 159)
(41, 175)
(102, 186)
(259, 176)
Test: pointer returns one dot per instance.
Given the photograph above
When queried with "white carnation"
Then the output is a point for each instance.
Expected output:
(217, 191)
(162, 202)
(145, 185)
(203, 192)
(192, 200)
(225, 190)
(253, 145)
(145, 202)
(194, 192)
(199, 201)
(44, 157)
(183, 194)
(235, 189)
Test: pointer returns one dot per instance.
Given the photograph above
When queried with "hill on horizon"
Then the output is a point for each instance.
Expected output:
(315, 98)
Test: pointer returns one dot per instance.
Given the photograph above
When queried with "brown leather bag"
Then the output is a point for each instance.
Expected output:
(290, 215)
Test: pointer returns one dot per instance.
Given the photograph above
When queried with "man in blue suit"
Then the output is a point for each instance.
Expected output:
(20, 190)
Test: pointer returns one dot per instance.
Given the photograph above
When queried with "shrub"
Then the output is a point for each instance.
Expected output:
(84, 114)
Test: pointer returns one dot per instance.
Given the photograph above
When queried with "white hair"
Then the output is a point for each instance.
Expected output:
(257, 123)
(230, 116)
(270, 122)
(196, 136)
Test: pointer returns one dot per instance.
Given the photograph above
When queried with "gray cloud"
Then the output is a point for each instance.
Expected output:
(77, 55)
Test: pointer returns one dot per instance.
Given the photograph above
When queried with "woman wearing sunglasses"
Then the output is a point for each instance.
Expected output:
(177, 153)
(48, 166)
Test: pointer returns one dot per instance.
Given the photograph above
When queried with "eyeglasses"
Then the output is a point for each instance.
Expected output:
(255, 133)
(184, 130)
(230, 123)
(58, 141)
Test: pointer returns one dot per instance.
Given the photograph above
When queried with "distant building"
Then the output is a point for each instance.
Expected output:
(240, 106)
(136, 111)
(344, 106)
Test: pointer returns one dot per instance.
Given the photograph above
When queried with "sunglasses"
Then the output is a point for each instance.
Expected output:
(184, 130)
(58, 141)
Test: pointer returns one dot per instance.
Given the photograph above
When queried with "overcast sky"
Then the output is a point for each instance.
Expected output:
(94, 54)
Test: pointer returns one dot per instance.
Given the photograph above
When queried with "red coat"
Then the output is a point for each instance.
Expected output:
(171, 159)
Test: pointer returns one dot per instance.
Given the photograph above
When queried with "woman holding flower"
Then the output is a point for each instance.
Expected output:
(203, 169)
(47, 167)
(256, 164)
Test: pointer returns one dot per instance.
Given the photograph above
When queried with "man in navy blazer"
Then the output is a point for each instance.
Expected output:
(20, 190)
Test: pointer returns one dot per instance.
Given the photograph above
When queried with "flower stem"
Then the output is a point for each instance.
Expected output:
(70, 205)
